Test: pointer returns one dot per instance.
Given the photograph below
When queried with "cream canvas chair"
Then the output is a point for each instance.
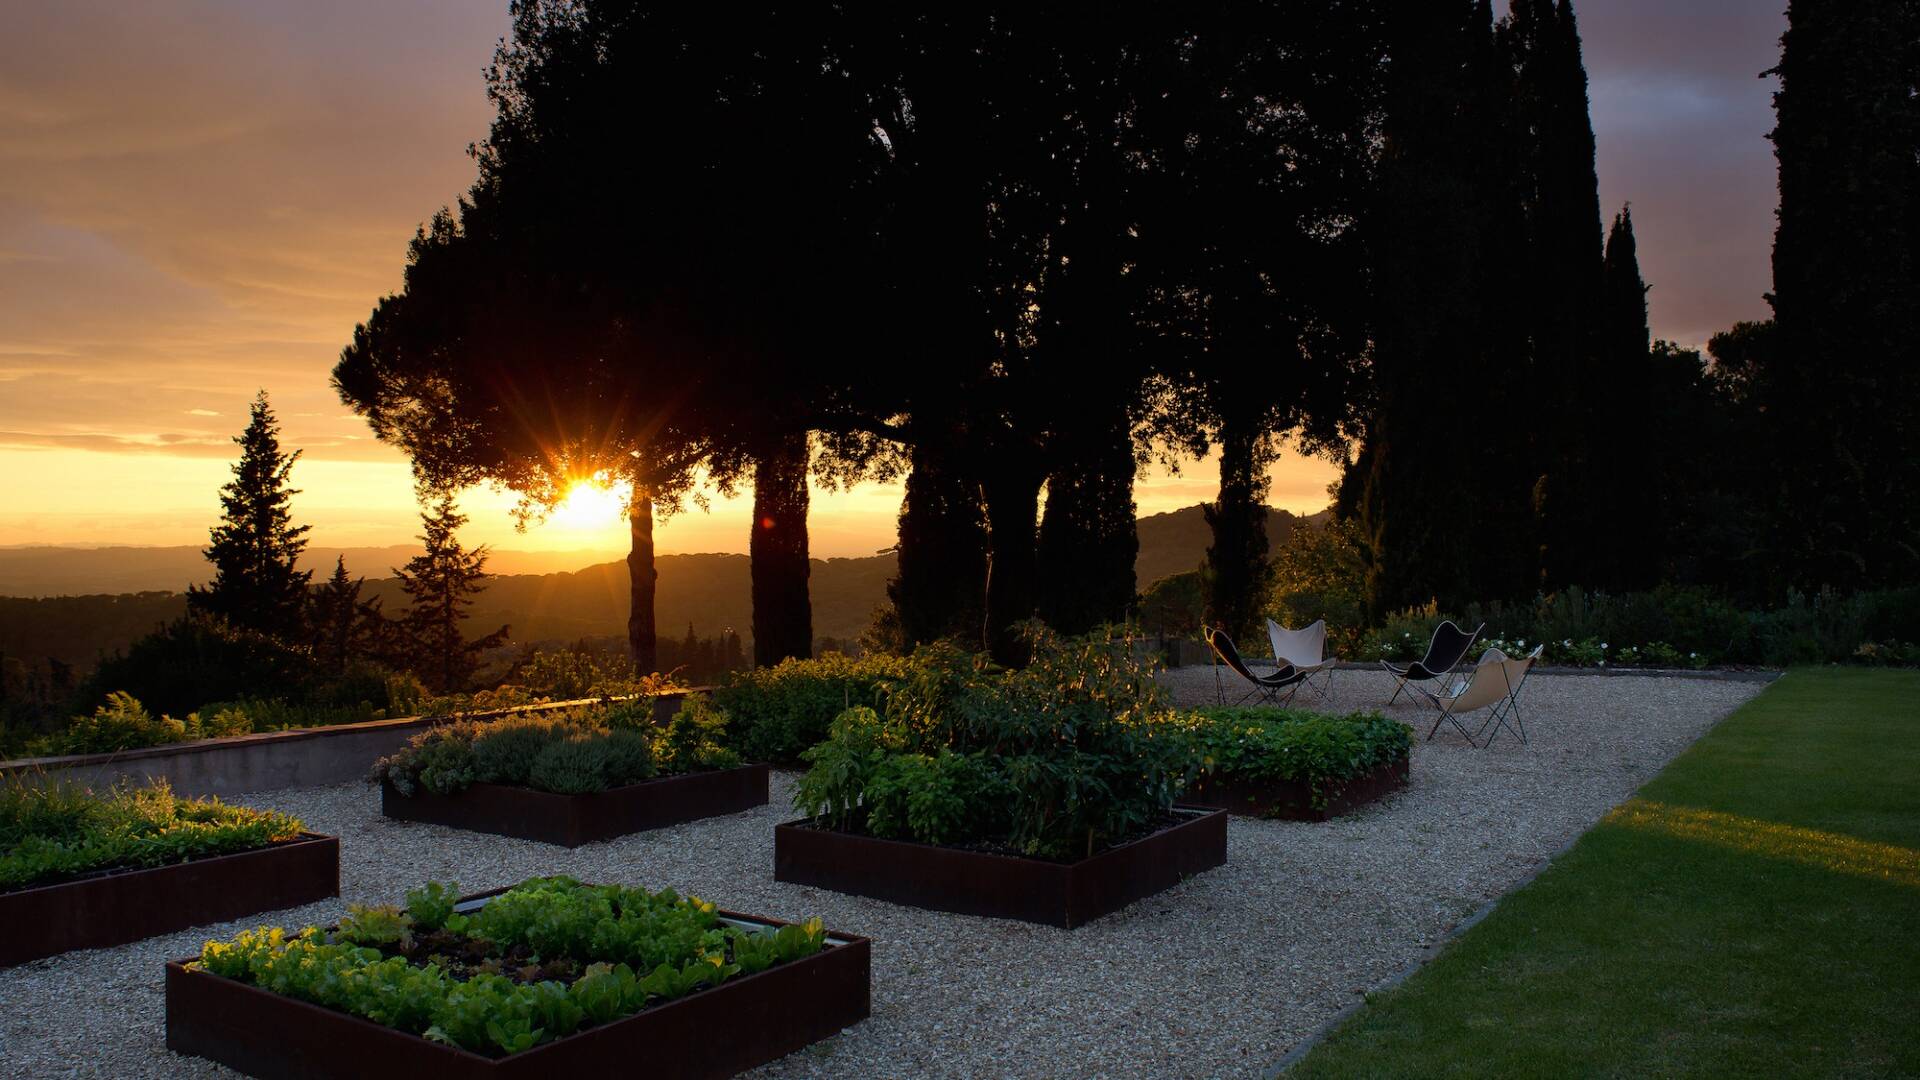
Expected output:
(1306, 651)
(1494, 683)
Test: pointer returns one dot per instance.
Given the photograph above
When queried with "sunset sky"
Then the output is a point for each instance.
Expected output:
(198, 200)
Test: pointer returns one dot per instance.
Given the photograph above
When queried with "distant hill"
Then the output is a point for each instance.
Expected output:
(710, 591)
(1175, 542)
(66, 571)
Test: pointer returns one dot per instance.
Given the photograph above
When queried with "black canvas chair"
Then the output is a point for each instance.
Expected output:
(1266, 687)
(1447, 648)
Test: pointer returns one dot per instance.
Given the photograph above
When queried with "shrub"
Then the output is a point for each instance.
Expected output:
(696, 737)
(1268, 744)
(120, 724)
(195, 660)
(575, 765)
(1404, 634)
(50, 834)
(1058, 760)
(1321, 574)
(775, 714)
(504, 749)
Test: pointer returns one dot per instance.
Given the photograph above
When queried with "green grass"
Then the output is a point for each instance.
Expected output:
(1754, 911)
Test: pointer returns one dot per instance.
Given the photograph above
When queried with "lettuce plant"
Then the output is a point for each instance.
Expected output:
(412, 969)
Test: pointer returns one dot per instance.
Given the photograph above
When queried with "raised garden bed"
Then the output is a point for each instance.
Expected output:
(1292, 800)
(572, 820)
(717, 1031)
(1064, 894)
(118, 906)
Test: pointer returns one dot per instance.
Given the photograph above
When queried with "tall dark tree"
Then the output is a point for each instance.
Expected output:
(1445, 436)
(1541, 41)
(257, 583)
(1263, 136)
(941, 584)
(338, 619)
(782, 610)
(441, 583)
(650, 303)
(1842, 395)
(1630, 486)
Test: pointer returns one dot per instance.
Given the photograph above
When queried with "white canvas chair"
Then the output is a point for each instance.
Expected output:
(1306, 651)
(1493, 683)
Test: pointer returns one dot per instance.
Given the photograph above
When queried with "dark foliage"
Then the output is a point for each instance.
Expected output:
(256, 547)
(193, 661)
(1841, 387)
(440, 584)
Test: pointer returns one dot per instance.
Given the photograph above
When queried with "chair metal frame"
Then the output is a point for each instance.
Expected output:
(1498, 715)
(1421, 671)
(1323, 665)
(1267, 688)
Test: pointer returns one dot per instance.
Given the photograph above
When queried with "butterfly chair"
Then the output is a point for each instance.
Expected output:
(1445, 650)
(1306, 651)
(1266, 687)
(1494, 683)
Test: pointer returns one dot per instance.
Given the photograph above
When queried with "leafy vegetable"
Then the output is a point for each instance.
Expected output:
(413, 970)
(1065, 757)
(1325, 752)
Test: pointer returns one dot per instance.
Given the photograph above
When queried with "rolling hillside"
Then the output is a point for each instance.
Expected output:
(117, 602)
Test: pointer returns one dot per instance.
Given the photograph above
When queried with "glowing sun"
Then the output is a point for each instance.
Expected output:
(590, 504)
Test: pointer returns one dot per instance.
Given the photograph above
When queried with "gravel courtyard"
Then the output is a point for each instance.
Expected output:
(1218, 977)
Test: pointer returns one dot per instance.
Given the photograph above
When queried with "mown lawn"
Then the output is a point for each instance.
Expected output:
(1754, 911)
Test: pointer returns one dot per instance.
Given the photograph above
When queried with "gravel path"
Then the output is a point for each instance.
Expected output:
(1217, 977)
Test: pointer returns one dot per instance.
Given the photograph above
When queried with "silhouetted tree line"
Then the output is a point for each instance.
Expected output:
(1013, 251)
(262, 629)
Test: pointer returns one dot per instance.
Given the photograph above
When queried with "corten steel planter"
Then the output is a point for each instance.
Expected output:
(1001, 886)
(1291, 800)
(720, 1031)
(572, 820)
(116, 907)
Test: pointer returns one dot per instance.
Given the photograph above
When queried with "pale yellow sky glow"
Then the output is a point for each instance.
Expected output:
(199, 199)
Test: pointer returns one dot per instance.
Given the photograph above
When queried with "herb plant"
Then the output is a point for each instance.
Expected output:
(53, 833)
(575, 752)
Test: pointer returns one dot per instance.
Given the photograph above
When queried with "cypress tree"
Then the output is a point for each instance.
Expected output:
(1088, 533)
(1443, 442)
(782, 611)
(1236, 572)
(1542, 43)
(337, 619)
(441, 584)
(1842, 395)
(255, 550)
(1629, 487)
(942, 578)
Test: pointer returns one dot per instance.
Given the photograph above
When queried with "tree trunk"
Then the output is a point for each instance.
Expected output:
(942, 581)
(642, 642)
(1088, 535)
(1237, 571)
(782, 610)
(1012, 497)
